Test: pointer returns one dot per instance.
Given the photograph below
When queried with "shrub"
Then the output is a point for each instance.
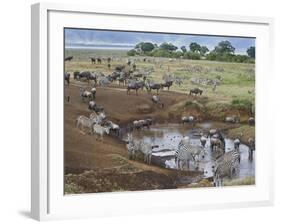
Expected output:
(132, 52)
(241, 104)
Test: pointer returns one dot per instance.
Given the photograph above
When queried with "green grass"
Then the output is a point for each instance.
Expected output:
(242, 181)
(238, 79)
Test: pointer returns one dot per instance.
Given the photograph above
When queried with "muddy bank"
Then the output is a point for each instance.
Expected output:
(126, 178)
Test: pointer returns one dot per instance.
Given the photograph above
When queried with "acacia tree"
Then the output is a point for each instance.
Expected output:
(183, 49)
(204, 50)
(194, 47)
(224, 47)
(144, 47)
(251, 51)
(168, 47)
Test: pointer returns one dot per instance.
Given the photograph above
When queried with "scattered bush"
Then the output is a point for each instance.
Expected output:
(241, 104)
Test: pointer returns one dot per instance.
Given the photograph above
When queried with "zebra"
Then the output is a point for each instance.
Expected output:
(100, 130)
(252, 148)
(146, 149)
(132, 146)
(226, 166)
(84, 122)
(97, 118)
(182, 153)
(196, 151)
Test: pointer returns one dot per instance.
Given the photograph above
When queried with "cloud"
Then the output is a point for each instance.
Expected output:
(106, 37)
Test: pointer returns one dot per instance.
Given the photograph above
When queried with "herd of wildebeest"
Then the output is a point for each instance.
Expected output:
(226, 163)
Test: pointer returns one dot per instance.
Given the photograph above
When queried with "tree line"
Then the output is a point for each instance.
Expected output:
(224, 51)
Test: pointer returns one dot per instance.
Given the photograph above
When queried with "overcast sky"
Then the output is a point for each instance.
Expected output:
(130, 39)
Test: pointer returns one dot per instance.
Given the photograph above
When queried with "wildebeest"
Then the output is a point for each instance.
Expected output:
(94, 91)
(212, 132)
(151, 86)
(167, 84)
(218, 140)
(91, 105)
(236, 143)
(112, 127)
(188, 119)
(139, 124)
(67, 98)
(119, 68)
(99, 60)
(84, 74)
(251, 121)
(233, 119)
(156, 100)
(67, 77)
(85, 94)
(133, 86)
(203, 140)
(93, 60)
(68, 58)
(195, 91)
(76, 75)
(94, 107)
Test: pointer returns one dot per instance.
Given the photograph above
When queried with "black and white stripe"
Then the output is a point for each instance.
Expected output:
(226, 166)
(182, 154)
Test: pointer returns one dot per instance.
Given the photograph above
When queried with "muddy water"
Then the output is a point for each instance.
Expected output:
(167, 137)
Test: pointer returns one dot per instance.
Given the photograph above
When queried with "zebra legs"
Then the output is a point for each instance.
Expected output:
(251, 152)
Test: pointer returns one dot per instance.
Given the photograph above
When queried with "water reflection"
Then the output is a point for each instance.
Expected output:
(167, 137)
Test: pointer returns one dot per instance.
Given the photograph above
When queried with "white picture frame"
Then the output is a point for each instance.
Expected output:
(48, 201)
